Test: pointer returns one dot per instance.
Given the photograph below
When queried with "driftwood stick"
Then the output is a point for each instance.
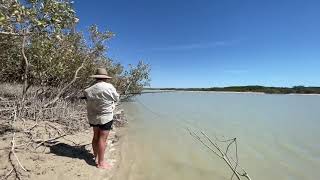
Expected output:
(215, 148)
(226, 158)
(223, 156)
(244, 174)
(193, 134)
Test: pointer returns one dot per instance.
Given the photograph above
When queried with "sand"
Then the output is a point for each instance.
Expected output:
(69, 158)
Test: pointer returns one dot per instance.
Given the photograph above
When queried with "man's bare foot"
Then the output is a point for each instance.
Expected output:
(103, 165)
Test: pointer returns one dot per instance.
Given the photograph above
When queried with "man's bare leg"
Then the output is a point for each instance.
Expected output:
(95, 141)
(102, 144)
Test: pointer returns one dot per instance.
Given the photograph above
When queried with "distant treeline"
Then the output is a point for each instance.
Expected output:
(261, 89)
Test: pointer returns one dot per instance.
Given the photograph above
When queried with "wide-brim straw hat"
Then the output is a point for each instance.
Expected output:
(101, 73)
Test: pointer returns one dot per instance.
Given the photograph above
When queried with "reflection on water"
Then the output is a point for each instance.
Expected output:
(277, 135)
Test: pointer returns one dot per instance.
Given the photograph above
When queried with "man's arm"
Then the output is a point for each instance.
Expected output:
(115, 94)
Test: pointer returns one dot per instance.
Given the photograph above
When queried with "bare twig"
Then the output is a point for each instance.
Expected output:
(26, 68)
(127, 88)
(13, 151)
(56, 98)
(10, 33)
(8, 174)
(8, 109)
(2, 99)
(56, 128)
(48, 140)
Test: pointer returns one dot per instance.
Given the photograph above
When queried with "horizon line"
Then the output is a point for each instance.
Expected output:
(235, 86)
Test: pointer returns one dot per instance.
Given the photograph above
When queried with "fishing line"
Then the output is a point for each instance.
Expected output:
(177, 119)
(187, 125)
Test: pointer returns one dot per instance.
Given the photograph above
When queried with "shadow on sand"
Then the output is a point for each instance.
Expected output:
(66, 150)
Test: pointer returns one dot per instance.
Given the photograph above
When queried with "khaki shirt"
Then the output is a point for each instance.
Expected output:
(101, 98)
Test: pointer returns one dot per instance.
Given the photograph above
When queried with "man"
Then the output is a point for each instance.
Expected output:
(101, 98)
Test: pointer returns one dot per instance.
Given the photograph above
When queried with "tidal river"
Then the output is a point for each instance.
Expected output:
(278, 136)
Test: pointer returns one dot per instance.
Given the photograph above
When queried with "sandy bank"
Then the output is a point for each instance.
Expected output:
(70, 157)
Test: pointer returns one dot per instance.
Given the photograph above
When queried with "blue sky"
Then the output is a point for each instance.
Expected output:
(205, 43)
